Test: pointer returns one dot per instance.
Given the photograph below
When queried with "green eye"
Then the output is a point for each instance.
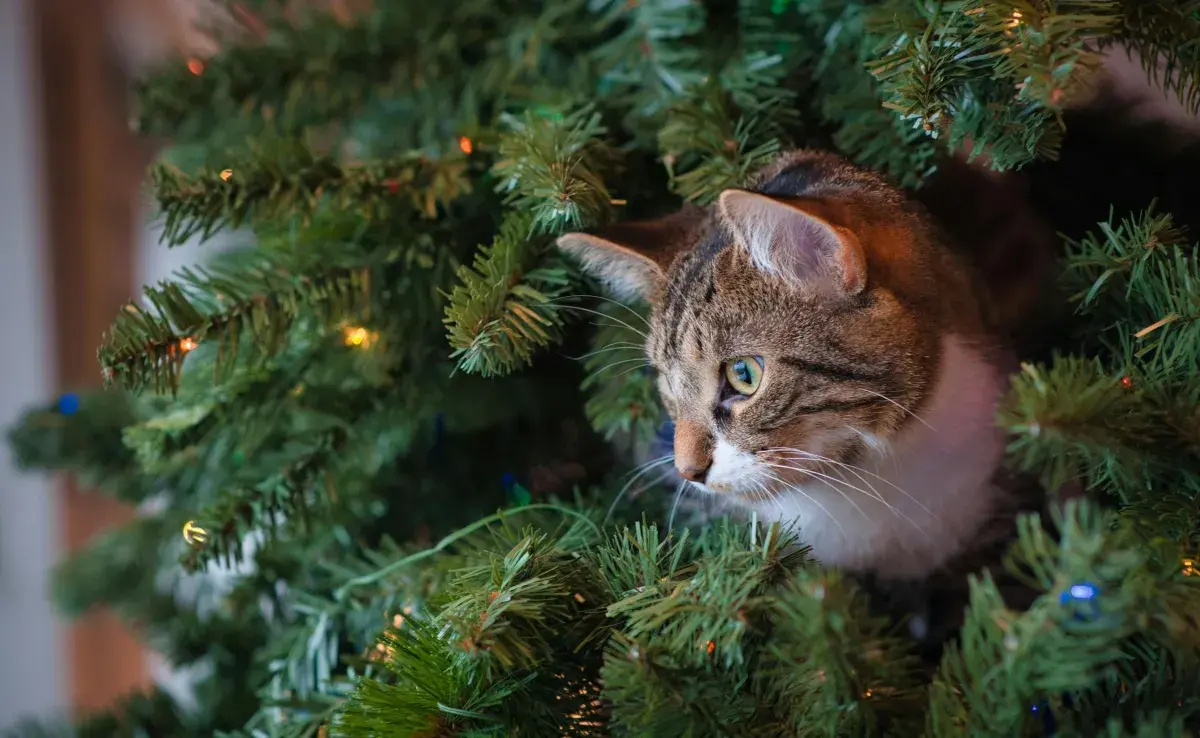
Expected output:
(744, 373)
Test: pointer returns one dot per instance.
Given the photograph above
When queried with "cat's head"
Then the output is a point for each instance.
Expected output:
(795, 325)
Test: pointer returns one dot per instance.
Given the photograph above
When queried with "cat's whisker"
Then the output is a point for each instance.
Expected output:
(855, 469)
(646, 365)
(832, 480)
(605, 315)
(905, 409)
(638, 473)
(891, 508)
(641, 359)
(615, 346)
(620, 304)
(794, 488)
(675, 505)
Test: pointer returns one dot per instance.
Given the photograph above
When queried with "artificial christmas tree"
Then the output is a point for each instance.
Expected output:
(293, 411)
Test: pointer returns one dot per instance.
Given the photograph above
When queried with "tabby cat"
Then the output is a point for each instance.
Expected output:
(829, 358)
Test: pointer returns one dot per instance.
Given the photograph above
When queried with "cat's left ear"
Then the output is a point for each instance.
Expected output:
(632, 258)
(802, 240)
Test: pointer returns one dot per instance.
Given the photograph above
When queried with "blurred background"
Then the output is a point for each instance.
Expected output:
(75, 243)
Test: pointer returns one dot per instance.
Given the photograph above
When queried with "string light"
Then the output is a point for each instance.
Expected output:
(710, 647)
(188, 344)
(1189, 568)
(359, 337)
(464, 143)
(1083, 591)
(193, 534)
(1127, 382)
(226, 174)
(68, 404)
(195, 66)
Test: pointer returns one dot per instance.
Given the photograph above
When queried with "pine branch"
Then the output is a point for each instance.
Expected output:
(649, 61)
(652, 695)
(837, 47)
(506, 306)
(81, 434)
(1076, 418)
(831, 663)
(257, 297)
(506, 610)
(553, 169)
(321, 69)
(436, 690)
(1167, 36)
(706, 150)
(1094, 580)
(708, 616)
(288, 179)
(300, 490)
(1141, 270)
(954, 66)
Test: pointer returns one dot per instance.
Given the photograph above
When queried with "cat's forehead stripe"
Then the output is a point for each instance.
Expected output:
(691, 278)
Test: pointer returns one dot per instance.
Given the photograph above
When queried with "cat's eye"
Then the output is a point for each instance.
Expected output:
(744, 373)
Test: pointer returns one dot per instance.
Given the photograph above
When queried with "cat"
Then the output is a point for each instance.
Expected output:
(829, 359)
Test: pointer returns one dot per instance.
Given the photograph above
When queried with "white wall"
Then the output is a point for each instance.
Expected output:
(31, 674)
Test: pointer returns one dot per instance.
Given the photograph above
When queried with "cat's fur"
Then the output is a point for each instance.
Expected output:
(884, 351)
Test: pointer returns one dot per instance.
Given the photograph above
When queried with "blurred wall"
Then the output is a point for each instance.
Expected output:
(31, 674)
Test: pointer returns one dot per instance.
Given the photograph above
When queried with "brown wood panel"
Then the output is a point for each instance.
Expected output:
(91, 179)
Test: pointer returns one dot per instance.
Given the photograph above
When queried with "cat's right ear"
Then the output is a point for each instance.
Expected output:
(632, 258)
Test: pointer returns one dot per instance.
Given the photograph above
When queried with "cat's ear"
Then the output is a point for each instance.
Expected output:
(632, 258)
(798, 239)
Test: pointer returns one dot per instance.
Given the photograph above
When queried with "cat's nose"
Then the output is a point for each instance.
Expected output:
(694, 473)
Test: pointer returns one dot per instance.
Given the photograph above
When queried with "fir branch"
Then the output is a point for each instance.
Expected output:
(258, 297)
(288, 498)
(838, 48)
(436, 690)
(954, 66)
(830, 662)
(1072, 639)
(709, 616)
(321, 69)
(649, 61)
(1076, 418)
(553, 169)
(639, 558)
(714, 152)
(652, 695)
(280, 180)
(506, 609)
(1141, 270)
(505, 306)
(84, 441)
(1166, 35)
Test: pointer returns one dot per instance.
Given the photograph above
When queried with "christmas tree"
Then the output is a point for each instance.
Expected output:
(424, 450)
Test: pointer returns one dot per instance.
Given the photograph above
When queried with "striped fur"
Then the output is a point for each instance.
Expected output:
(873, 427)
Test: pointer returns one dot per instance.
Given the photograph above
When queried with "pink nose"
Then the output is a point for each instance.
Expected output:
(694, 473)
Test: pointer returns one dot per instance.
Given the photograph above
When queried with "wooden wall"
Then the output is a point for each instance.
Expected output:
(92, 167)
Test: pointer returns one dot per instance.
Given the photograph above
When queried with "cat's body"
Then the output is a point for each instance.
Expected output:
(870, 354)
